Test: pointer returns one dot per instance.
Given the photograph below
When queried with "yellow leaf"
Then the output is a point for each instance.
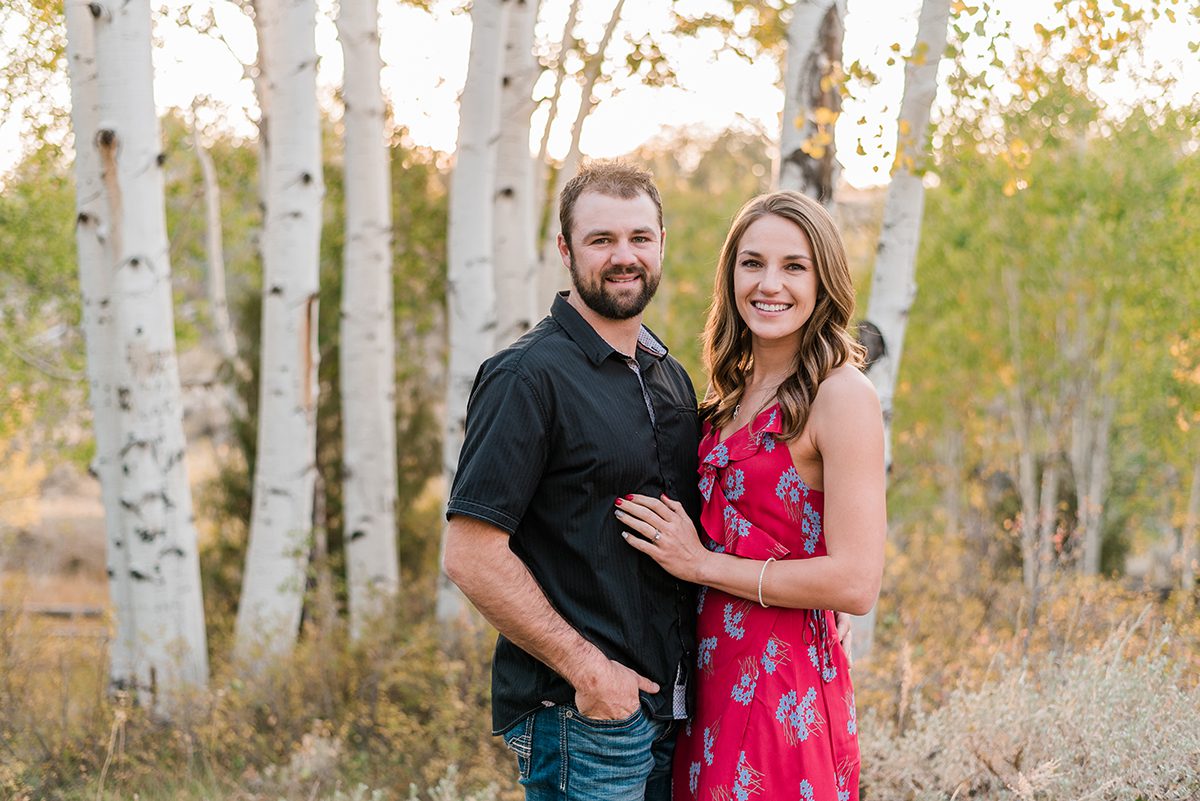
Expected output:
(895, 47)
(798, 123)
(825, 116)
(860, 150)
(1010, 188)
(905, 127)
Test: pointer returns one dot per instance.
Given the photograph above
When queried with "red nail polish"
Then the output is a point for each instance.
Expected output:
(618, 501)
(629, 497)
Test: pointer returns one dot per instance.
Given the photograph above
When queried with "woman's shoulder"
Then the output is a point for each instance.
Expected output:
(846, 390)
(846, 378)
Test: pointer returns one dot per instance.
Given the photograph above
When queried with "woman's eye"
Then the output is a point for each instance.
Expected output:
(795, 266)
(750, 264)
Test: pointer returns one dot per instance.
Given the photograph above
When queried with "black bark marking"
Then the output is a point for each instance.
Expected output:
(137, 575)
(354, 535)
(871, 338)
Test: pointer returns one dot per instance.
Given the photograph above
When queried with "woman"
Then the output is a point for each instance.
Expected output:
(793, 486)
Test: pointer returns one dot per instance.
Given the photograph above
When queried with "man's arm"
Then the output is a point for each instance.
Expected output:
(478, 559)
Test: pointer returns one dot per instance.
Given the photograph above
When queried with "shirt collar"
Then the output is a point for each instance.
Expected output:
(591, 343)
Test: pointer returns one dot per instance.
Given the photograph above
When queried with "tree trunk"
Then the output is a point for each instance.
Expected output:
(515, 227)
(1187, 540)
(552, 278)
(812, 99)
(157, 528)
(893, 285)
(368, 357)
(470, 291)
(95, 282)
(542, 175)
(281, 519)
(222, 329)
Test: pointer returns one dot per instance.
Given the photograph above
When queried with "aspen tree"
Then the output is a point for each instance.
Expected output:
(368, 355)
(515, 224)
(285, 465)
(470, 290)
(812, 98)
(893, 285)
(157, 530)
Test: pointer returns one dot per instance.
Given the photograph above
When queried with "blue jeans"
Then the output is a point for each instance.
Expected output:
(563, 756)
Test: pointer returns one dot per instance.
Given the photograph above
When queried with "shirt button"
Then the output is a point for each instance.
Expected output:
(570, 714)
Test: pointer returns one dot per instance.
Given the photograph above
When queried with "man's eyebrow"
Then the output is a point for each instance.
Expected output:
(793, 257)
(645, 229)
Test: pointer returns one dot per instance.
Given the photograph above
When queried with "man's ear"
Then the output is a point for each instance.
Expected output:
(564, 251)
(662, 244)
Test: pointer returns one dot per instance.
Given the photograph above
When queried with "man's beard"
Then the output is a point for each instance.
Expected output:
(599, 299)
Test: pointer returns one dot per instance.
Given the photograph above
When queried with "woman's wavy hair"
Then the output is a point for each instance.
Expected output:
(825, 342)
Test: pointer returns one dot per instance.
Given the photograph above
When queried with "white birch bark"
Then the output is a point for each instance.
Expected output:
(542, 175)
(552, 278)
(893, 285)
(214, 278)
(368, 355)
(470, 289)
(157, 528)
(1187, 538)
(95, 282)
(281, 520)
(515, 247)
(812, 99)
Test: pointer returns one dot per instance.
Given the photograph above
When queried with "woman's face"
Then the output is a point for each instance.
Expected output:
(774, 279)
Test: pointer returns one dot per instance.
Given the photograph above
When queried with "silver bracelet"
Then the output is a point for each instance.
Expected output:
(762, 573)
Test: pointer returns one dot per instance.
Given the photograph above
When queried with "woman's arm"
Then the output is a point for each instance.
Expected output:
(847, 429)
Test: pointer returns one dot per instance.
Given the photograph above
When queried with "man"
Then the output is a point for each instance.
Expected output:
(592, 664)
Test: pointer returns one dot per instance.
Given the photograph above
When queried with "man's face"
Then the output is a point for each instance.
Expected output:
(615, 256)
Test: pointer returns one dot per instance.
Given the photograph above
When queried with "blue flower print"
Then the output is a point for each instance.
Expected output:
(791, 489)
(822, 662)
(704, 661)
(707, 482)
(747, 781)
(843, 780)
(733, 620)
(799, 717)
(694, 777)
(710, 739)
(743, 691)
(735, 526)
(735, 484)
(700, 597)
(806, 790)
(774, 655)
(852, 723)
(811, 527)
(718, 456)
(768, 442)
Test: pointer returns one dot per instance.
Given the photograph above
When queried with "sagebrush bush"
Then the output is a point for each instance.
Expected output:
(1101, 725)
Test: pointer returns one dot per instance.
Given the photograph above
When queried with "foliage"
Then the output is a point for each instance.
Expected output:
(703, 183)
(41, 349)
(1110, 723)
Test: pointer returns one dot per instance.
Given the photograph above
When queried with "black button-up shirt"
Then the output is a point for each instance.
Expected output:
(559, 425)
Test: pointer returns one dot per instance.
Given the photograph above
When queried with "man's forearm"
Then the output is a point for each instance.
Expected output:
(499, 584)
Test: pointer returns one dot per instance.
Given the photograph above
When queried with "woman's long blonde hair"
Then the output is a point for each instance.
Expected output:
(825, 342)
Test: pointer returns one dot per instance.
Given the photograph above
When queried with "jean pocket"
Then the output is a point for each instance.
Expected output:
(519, 740)
(622, 724)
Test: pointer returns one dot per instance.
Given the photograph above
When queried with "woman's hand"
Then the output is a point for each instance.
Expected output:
(661, 529)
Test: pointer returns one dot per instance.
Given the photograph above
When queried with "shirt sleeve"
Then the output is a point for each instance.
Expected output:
(504, 450)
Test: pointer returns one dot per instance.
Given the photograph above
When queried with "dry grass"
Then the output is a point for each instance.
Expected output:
(1119, 722)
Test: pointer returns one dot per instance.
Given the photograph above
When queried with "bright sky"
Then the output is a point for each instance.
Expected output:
(425, 56)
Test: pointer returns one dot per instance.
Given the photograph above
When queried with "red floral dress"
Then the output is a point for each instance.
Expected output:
(775, 712)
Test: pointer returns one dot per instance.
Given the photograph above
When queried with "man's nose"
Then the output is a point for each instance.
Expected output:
(623, 252)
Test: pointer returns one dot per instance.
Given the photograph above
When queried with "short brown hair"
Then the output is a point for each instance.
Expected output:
(608, 177)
